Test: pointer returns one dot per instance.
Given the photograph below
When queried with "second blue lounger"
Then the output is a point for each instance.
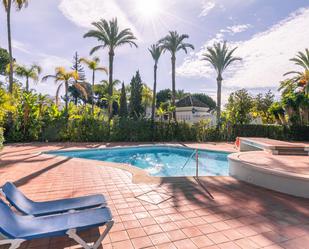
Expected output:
(26, 206)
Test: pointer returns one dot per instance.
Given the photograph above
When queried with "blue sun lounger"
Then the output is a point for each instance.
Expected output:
(28, 207)
(15, 229)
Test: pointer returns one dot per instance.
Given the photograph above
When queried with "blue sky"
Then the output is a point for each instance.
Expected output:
(267, 33)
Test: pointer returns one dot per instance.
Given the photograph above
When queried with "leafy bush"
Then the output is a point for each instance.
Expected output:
(1, 138)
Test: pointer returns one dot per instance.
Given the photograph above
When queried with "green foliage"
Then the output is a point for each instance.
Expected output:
(123, 106)
(206, 100)
(163, 96)
(277, 111)
(136, 107)
(1, 138)
(261, 106)
(204, 132)
(296, 133)
(4, 60)
(238, 107)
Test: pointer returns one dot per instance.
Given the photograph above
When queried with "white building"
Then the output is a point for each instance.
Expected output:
(191, 110)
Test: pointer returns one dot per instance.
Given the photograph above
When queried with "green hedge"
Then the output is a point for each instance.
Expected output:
(129, 130)
(1, 138)
(295, 133)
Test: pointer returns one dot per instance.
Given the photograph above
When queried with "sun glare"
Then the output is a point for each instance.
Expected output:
(148, 9)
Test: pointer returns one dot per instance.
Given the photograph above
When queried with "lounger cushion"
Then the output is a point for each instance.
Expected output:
(15, 226)
(29, 207)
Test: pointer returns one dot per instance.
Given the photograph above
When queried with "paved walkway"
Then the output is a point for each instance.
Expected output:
(169, 215)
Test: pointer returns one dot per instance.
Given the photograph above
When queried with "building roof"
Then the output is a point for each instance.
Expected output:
(190, 101)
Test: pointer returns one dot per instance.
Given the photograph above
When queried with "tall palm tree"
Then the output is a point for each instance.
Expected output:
(19, 4)
(108, 33)
(173, 43)
(220, 57)
(155, 51)
(94, 66)
(29, 73)
(62, 77)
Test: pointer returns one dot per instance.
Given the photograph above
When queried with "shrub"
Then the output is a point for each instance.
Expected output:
(1, 138)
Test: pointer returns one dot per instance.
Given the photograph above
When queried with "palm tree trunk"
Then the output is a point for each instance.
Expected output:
(219, 89)
(174, 84)
(8, 16)
(66, 98)
(27, 84)
(154, 93)
(110, 87)
(92, 91)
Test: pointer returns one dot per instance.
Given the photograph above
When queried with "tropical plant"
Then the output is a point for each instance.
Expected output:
(32, 72)
(80, 91)
(147, 96)
(278, 112)
(62, 77)
(161, 112)
(94, 66)
(173, 43)
(19, 4)
(301, 79)
(220, 57)
(4, 60)
(108, 33)
(155, 51)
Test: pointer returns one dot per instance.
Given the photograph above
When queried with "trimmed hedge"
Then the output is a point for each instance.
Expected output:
(295, 133)
(129, 130)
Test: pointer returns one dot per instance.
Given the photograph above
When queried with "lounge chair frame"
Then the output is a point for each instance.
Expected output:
(72, 233)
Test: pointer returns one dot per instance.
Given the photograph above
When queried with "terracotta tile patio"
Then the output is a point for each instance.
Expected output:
(184, 216)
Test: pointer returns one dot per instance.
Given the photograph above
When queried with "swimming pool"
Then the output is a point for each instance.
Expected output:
(159, 160)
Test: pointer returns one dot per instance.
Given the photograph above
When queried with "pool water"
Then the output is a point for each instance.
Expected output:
(159, 160)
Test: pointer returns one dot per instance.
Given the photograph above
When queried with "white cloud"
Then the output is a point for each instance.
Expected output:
(265, 56)
(20, 46)
(84, 12)
(207, 6)
(236, 28)
(49, 63)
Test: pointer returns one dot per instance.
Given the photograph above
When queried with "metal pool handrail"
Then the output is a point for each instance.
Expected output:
(189, 158)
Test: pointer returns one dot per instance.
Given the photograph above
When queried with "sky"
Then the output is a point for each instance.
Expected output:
(267, 33)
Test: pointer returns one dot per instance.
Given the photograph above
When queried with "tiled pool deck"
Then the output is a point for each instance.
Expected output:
(169, 215)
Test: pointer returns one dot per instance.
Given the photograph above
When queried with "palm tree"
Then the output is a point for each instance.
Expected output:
(111, 37)
(174, 43)
(94, 66)
(63, 77)
(19, 4)
(220, 57)
(155, 51)
(147, 96)
(28, 73)
(301, 78)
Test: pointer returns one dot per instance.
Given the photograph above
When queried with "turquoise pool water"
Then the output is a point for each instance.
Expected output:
(159, 160)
